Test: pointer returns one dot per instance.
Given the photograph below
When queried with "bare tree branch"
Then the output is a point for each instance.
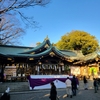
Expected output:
(9, 5)
(9, 32)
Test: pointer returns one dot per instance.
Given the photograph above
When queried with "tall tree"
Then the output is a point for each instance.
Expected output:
(11, 6)
(78, 40)
(10, 32)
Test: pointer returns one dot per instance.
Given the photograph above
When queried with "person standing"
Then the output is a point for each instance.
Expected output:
(85, 83)
(74, 85)
(95, 84)
(6, 95)
(77, 81)
(68, 87)
(53, 92)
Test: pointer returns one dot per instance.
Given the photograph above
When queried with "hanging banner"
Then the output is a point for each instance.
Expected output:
(63, 68)
(55, 68)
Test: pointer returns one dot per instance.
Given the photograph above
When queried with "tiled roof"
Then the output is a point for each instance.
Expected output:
(47, 48)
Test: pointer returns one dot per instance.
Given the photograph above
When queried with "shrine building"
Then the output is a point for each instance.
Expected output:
(46, 59)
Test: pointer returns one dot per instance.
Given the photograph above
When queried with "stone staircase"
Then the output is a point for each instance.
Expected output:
(14, 86)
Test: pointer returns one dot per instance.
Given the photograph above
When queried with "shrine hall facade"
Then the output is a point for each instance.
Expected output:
(46, 59)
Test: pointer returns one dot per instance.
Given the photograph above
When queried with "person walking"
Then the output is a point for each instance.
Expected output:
(53, 92)
(68, 87)
(74, 85)
(85, 83)
(95, 84)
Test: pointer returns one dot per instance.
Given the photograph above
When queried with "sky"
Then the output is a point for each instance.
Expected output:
(63, 16)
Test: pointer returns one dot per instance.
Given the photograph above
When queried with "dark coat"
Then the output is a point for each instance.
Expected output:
(5, 96)
(74, 83)
(53, 93)
(95, 83)
(84, 80)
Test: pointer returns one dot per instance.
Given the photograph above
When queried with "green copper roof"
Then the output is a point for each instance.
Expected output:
(45, 48)
(90, 56)
(68, 53)
(39, 47)
(6, 49)
(46, 52)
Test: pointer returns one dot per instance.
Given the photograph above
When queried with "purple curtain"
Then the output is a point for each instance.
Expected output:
(43, 81)
(39, 82)
(62, 79)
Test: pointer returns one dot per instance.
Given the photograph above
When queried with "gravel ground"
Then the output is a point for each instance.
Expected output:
(20, 91)
(44, 95)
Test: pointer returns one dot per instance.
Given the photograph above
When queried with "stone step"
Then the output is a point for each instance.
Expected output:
(24, 86)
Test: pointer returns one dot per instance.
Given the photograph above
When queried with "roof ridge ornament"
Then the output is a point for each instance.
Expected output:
(52, 54)
(46, 38)
(46, 46)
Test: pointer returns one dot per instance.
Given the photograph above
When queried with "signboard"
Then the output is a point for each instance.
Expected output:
(10, 70)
